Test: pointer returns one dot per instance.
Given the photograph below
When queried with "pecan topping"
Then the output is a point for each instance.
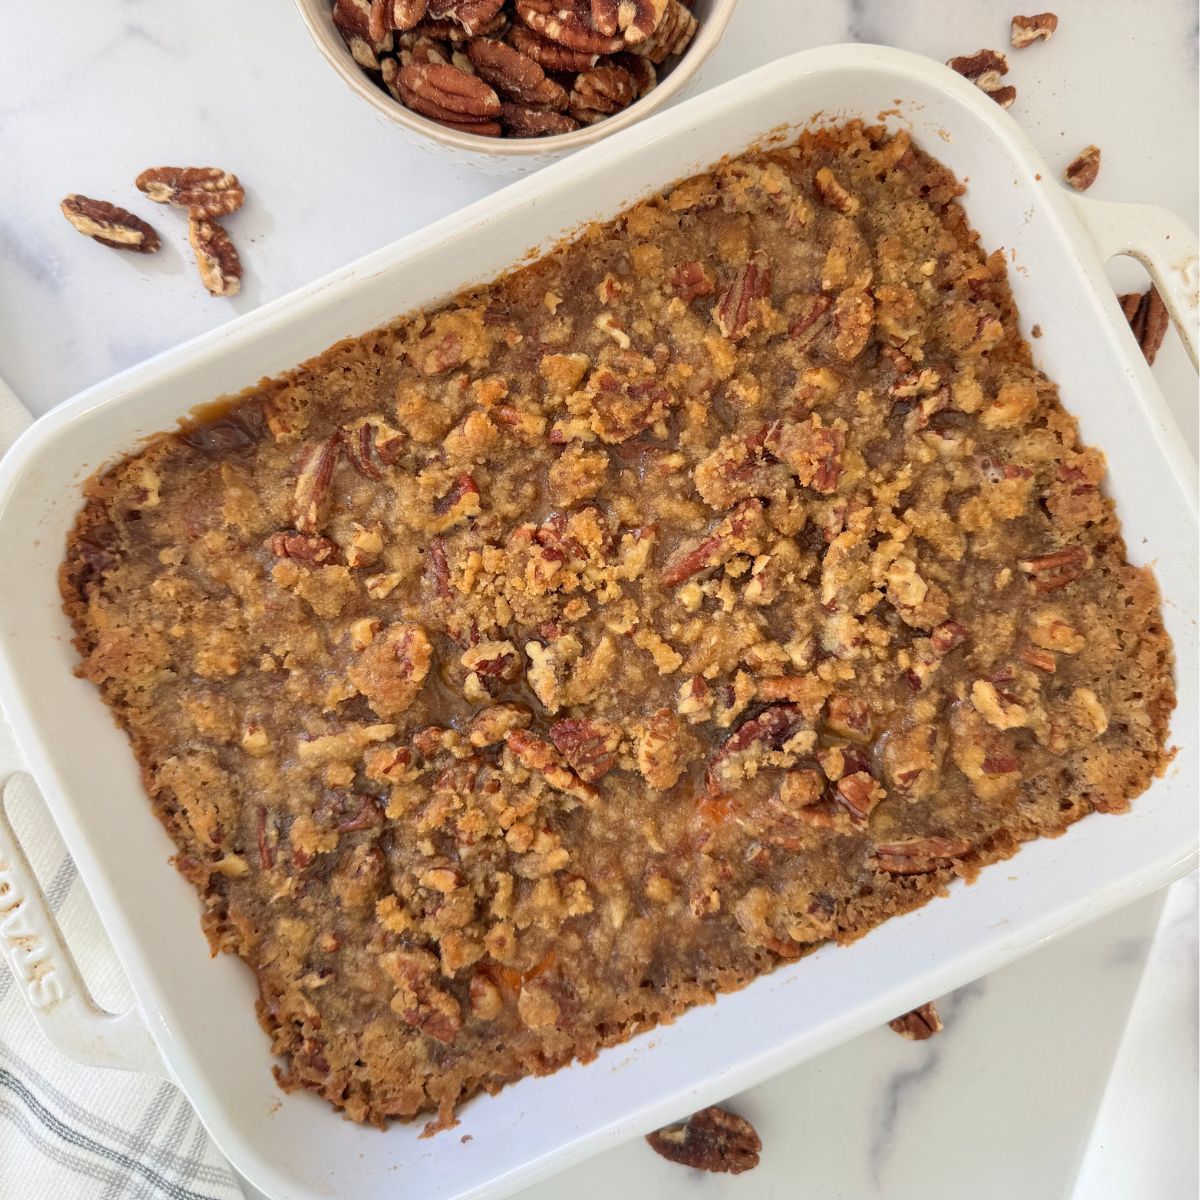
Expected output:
(859, 793)
(833, 194)
(303, 547)
(771, 730)
(311, 499)
(589, 746)
(710, 1140)
(216, 256)
(203, 191)
(691, 280)
(1082, 170)
(1055, 570)
(811, 450)
(918, 856)
(1148, 318)
(110, 225)
(1027, 30)
(538, 755)
(920, 1024)
(947, 636)
(739, 310)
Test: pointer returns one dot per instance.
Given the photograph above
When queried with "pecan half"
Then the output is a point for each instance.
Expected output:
(918, 856)
(919, 1025)
(550, 56)
(1055, 570)
(406, 14)
(216, 256)
(600, 92)
(739, 310)
(710, 1140)
(568, 22)
(473, 15)
(1148, 318)
(590, 747)
(109, 225)
(1082, 170)
(204, 191)
(352, 18)
(641, 70)
(673, 34)
(447, 94)
(522, 120)
(514, 74)
(311, 500)
(1027, 30)
(636, 19)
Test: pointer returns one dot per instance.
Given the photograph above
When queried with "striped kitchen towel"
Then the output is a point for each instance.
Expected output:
(70, 1132)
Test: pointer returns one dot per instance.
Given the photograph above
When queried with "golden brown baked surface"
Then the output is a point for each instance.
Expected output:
(517, 675)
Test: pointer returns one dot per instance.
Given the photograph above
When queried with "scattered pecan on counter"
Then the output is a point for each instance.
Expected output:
(1027, 30)
(710, 1140)
(109, 225)
(920, 1024)
(1147, 317)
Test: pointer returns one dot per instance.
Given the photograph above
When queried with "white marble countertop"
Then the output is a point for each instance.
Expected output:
(1021, 1088)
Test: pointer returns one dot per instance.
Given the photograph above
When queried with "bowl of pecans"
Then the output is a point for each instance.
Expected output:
(514, 84)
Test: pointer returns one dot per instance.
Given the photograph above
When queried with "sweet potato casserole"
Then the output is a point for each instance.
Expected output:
(517, 675)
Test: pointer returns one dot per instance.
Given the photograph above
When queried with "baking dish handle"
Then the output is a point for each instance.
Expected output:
(44, 969)
(1163, 244)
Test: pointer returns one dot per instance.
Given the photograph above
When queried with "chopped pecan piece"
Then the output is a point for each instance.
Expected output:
(589, 746)
(811, 450)
(1027, 30)
(492, 725)
(303, 547)
(1082, 170)
(661, 756)
(984, 69)
(712, 551)
(418, 1001)
(947, 636)
(859, 793)
(741, 752)
(740, 309)
(710, 1140)
(392, 669)
(920, 1024)
(918, 856)
(833, 194)
(310, 504)
(538, 755)
(110, 225)
(1049, 572)
(205, 191)
(691, 280)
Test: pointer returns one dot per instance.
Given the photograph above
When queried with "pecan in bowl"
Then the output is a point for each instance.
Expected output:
(515, 78)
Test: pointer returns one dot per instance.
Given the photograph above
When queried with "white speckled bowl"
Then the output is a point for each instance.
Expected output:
(513, 156)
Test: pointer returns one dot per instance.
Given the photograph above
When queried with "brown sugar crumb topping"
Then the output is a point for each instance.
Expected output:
(526, 671)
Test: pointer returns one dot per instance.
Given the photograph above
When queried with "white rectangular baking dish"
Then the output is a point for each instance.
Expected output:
(199, 1013)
